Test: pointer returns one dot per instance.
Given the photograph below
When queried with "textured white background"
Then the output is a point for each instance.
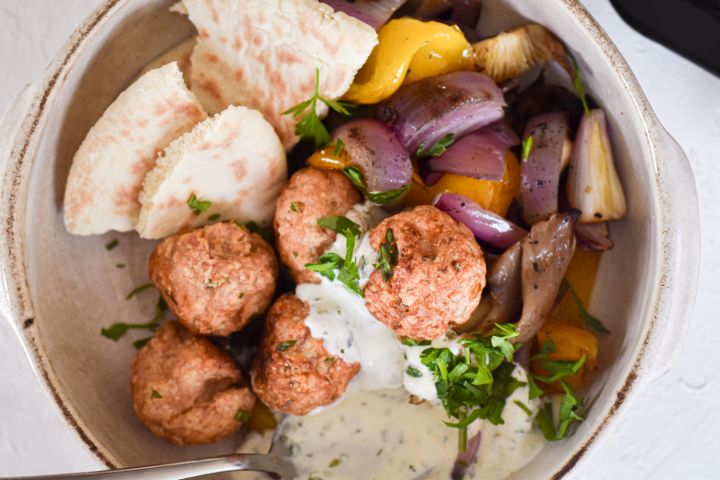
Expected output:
(673, 428)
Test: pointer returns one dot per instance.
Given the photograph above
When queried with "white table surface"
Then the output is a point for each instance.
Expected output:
(673, 428)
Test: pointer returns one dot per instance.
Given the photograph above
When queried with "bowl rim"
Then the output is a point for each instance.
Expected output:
(674, 181)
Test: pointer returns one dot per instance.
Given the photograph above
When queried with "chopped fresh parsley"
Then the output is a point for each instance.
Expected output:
(438, 148)
(265, 232)
(120, 265)
(381, 198)
(118, 330)
(579, 86)
(527, 146)
(198, 206)
(591, 322)
(414, 372)
(242, 416)
(523, 407)
(476, 383)
(559, 369)
(340, 225)
(310, 127)
(282, 346)
(295, 207)
(112, 244)
(339, 146)
(388, 255)
(138, 344)
(348, 273)
(570, 409)
(409, 342)
(335, 462)
(139, 289)
(214, 216)
(330, 360)
(155, 394)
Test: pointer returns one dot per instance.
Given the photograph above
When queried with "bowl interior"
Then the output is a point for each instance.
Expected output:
(76, 287)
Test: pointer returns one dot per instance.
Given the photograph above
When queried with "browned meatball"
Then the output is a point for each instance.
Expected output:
(438, 279)
(216, 278)
(186, 390)
(310, 195)
(293, 373)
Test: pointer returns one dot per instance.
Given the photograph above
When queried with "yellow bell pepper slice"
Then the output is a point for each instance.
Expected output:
(495, 196)
(581, 275)
(327, 158)
(409, 50)
(571, 343)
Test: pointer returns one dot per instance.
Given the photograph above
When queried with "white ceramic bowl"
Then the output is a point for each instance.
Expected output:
(59, 290)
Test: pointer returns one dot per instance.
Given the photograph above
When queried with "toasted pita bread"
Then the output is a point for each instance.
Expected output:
(109, 167)
(180, 54)
(234, 160)
(263, 54)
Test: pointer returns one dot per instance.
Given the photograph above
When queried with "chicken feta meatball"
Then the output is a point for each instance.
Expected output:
(310, 195)
(438, 277)
(293, 373)
(186, 390)
(216, 278)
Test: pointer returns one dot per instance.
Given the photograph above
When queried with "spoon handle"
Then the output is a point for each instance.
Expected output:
(172, 471)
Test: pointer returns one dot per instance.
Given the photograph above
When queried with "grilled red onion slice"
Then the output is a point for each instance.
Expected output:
(454, 103)
(540, 172)
(594, 237)
(479, 155)
(486, 226)
(373, 12)
(372, 146)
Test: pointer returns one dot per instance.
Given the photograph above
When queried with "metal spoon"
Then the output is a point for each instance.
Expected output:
(277, 463)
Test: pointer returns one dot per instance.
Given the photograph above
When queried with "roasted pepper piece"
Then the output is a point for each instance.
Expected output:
(571, 343)
(409, 50)
(495, 196)
(328, 158)
(581, 275)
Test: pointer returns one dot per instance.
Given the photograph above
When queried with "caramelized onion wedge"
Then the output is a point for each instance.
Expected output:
(487, 227)
(372, 146)
(454, 103)
(594, 237)
(594, 187)
(540, 172)
(546, 254)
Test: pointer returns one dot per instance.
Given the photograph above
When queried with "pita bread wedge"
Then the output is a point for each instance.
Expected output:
(109, 167)
(180, 54)
(233, 160)
(263, 54)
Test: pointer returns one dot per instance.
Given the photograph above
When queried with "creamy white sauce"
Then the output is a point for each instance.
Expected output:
(372, 432)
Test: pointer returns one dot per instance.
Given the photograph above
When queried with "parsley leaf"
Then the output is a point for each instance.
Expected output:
(523, 407)
(198, 206)
(242, 416)
(474, 384)
(139, 289)
(265, 232)
(559, 369)
(409, 342)
(527, 146)
(282, 346)
(340, 224)
(381, 198)
(339, 146)
(213, 217)
(155, 394)
(438, 148)
(592, 322)
(118, 330)
(579, 86)
(570, 408)
(112, 244)
(414, 372)
(310, 127)
(138, 344)
(388, 255)
(327, 265)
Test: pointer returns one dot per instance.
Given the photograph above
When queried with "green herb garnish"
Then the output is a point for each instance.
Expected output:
(310, 127)
(409, 342)
(112, 244)
(242, 416)
(438, 148)
(340, 225)
(559, 369)
(334, 463)
(139, 289)
(527, 146)
(414, 372)
(327, 264)
(348, 273)
(476, 383)
(381, 198)
(265, 232)
(579, 86)
(294, 207)
(570, 409)
(523, 407)
(198, 206)
(138, 344)
(339, 146)
(155, 394)
(120, 265)
(388, 255)
(213, 217)
(282, 346)
(117, 331)
(591, 322)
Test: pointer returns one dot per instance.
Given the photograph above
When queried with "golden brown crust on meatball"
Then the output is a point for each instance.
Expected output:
(438, 279)
(186, 390)
(310, 195)
(293, 373)
(216, 278)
